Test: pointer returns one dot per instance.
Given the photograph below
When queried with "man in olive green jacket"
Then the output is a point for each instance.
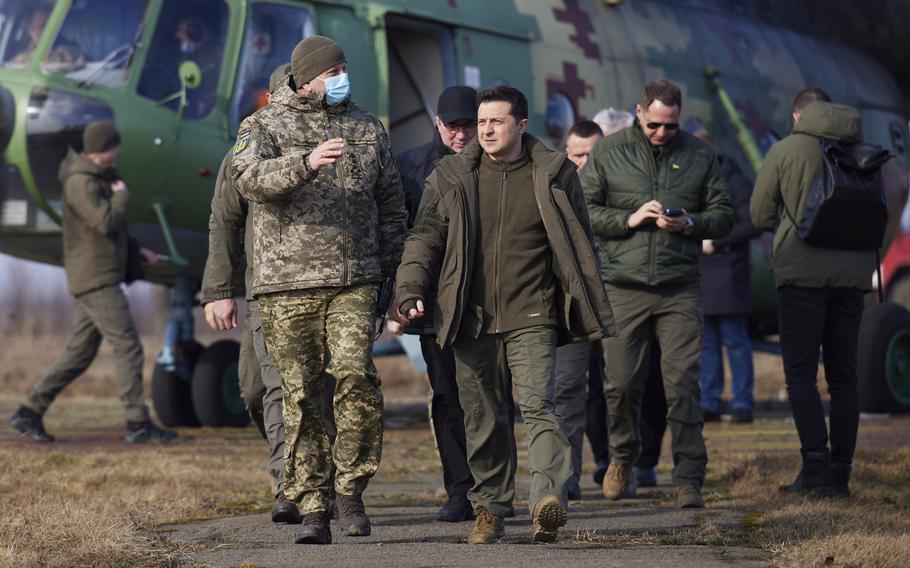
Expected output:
(504, 226)
(96, 251)
(820, 294)
(654, 193)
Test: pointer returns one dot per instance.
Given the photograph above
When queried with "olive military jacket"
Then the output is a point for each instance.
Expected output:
(340, 226)
(784, 181)
(622, 174)
(230, 242)
(444, 238)
(95, 238)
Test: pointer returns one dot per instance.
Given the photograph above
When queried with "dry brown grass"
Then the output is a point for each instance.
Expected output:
(101, 509)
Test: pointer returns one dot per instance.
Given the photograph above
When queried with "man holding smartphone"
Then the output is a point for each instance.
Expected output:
(653, 194)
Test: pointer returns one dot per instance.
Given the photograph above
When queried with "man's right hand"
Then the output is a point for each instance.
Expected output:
(648, 212)
(326, 153)
(118, 185)
(221, 315)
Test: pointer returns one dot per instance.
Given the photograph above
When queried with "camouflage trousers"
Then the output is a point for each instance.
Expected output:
(313, 336)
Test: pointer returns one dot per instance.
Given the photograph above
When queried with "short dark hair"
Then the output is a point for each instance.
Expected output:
(663, 91)
(508, 94)
(585, 129)
(808, 96)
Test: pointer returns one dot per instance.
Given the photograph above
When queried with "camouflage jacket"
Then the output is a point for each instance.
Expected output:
(341, 226)
(229, 242)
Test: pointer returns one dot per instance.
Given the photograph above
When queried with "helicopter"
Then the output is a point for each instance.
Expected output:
(176, 77)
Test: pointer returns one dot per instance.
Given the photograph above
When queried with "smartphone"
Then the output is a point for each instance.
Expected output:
(673, 211)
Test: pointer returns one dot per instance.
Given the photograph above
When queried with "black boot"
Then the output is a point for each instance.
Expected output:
(456, 510)
(31, 424)
(144, 432)
(352, 517)
(815, 476)
(315, 529)
(285, 511)
(841, 474)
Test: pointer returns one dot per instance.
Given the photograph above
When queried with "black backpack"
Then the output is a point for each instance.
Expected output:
(846, 207)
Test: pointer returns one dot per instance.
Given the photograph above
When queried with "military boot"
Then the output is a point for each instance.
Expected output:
(285, 511)
(352, 517)
(815, 476)
(145, 431)
(689, 497)
(31, 424)
(487, 527)
(616, 482)
(840, 473)
(547, 517)
(315, 529)
(456, 510)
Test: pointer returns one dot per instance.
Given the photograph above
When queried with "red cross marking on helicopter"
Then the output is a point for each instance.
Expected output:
(572, 85)
(583, 28)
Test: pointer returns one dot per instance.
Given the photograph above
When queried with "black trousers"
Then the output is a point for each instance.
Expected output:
(448, 418)
(826, 318)
(653, 422)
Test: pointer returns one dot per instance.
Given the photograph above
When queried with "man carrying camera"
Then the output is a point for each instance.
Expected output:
(653, 194)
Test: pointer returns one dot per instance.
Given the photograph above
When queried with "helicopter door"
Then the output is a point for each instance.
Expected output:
(421, 65)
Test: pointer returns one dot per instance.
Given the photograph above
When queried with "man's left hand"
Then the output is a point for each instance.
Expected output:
(707, 247)
(149, 257)
(673, 224)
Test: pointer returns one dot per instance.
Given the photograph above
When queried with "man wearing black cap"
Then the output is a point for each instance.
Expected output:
(328, 228)
(96, 247)
(456, 125)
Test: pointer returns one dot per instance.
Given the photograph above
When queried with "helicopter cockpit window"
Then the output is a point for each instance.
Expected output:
(272, 35)
(96, 42)
(21, 24)
(186, 31)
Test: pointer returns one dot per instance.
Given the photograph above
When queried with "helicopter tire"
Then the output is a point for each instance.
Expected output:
(216, 387)
(883, 361)
(171, 395)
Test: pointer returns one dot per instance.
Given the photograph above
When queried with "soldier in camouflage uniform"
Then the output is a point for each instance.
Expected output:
(328, 228)
(230, 251)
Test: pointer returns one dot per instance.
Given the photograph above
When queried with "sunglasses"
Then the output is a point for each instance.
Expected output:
(667, 125)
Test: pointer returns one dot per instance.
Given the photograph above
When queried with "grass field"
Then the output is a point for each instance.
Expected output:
(91, 500)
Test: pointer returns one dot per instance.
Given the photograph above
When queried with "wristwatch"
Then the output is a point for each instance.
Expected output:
(689, 228)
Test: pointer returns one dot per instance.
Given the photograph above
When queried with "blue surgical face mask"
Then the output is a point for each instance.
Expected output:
(337, 88)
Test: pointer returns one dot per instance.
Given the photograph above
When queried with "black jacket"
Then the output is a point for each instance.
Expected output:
(725, 275)
(414, 166)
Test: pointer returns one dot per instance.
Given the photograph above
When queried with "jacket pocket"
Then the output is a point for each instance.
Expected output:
(472, 320)
(361, 161)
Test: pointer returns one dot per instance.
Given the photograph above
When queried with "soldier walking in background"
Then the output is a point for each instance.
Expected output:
(456, 125)
(504, 226)
(573, 361)
(726, 295)
(98, 255)
(328, 226)
(819, 294)
(653, 194)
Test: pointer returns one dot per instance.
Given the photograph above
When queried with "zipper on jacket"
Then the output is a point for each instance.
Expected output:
(498, 253)
(655, 189)
(339, 170)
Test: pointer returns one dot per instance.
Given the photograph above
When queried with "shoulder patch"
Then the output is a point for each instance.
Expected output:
(243, 140)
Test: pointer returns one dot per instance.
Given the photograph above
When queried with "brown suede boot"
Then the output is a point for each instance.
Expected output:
(487, 527)
(689, 497)
(616, 481)
(548, 516)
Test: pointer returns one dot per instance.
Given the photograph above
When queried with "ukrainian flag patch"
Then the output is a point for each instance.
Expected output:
(243, 140)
